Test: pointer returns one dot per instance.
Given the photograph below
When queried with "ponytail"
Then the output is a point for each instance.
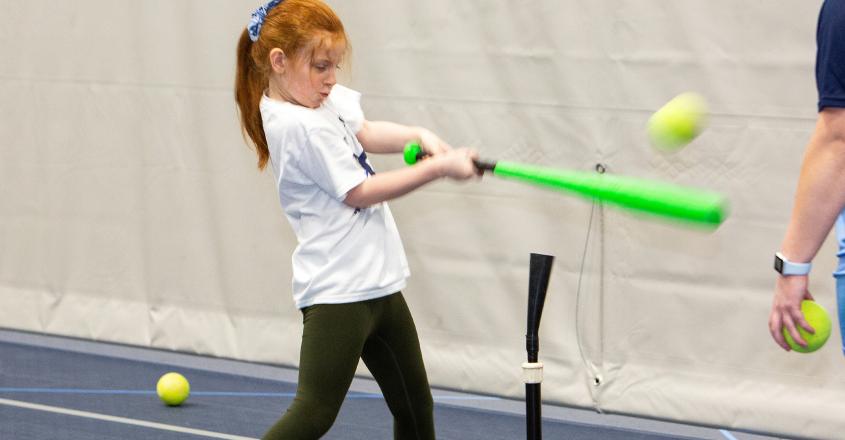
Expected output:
(250, 83)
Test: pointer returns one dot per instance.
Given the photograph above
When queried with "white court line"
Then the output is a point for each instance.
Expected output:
(727, 434)
(145, 424)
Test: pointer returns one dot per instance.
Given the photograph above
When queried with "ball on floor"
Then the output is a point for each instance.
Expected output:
(173, 389)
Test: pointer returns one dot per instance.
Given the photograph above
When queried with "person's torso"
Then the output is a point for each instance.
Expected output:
(830, 56)
(344, 254)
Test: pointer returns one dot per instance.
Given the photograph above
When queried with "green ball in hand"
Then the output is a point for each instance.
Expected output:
(818, 318)
(173, 389)
(678, 122)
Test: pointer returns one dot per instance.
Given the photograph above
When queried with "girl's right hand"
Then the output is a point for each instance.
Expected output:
(457, 164)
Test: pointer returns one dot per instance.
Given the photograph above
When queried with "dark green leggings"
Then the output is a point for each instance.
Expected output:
(334, 338)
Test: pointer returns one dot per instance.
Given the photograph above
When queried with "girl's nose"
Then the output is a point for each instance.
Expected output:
(331, 78)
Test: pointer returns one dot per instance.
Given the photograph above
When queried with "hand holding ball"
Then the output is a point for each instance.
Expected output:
(173, 389)
(818, 318)
(678, 122)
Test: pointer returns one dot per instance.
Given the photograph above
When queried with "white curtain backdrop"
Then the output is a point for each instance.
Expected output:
(131, 210)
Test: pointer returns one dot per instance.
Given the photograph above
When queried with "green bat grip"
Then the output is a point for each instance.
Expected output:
(413, 153)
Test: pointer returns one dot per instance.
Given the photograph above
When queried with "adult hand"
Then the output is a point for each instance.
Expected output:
(786, 309)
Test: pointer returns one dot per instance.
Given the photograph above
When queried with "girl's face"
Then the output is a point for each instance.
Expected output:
(308, 82)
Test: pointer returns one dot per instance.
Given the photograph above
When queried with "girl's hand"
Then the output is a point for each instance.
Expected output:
(457, 164)
(432, 144)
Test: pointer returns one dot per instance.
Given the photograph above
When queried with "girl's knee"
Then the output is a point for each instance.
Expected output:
(426, 404)
(418, 419)
(303, 421)
(320, 419)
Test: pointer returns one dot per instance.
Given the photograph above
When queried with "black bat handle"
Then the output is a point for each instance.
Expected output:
(484, 165)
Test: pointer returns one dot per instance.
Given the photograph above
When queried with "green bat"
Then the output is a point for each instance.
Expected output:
(659, 198)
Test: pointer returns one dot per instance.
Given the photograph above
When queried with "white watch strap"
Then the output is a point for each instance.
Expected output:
(790, 268)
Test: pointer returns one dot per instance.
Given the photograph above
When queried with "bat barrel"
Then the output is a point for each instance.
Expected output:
(658, 198)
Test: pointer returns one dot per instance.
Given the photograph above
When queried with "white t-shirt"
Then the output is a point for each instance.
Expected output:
(344, 254)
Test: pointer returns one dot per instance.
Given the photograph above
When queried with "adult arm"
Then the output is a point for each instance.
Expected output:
(819, 198)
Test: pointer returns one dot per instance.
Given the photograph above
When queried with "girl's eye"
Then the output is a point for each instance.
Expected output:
(323, 67)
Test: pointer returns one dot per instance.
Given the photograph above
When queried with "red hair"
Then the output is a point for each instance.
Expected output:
(298, 28)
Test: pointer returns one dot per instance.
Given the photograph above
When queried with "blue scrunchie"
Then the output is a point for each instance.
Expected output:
(258, 17)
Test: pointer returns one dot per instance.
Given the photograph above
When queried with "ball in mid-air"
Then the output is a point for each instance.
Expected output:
(173, 389)
(678, 122)
(818, 318)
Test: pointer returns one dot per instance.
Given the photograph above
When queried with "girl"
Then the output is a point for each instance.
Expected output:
(349, 265)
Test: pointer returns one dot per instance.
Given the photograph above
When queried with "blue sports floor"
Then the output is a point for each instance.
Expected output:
(61, 388)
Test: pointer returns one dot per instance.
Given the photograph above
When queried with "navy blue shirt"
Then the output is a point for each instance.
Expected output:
(830, 58)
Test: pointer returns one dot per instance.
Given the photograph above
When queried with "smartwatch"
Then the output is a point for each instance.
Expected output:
(786, 267)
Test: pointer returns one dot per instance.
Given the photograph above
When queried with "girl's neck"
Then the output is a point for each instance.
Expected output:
(277, 92)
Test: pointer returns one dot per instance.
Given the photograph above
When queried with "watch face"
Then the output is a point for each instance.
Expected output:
(778, 264)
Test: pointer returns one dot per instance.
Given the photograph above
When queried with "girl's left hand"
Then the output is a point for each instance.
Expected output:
(432, 144)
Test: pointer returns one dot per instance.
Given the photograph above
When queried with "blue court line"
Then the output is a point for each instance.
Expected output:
(207, 393)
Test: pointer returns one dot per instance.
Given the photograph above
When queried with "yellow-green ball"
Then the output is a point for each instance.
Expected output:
(173, 389)
(818, 318)
(678, 122)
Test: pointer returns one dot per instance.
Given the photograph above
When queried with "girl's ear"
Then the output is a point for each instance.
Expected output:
(278, 60)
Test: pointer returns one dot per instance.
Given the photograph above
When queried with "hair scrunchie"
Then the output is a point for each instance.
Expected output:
(258, 17)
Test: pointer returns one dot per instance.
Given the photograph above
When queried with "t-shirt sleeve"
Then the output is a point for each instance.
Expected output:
(830, 58)
(328, 161)
(348, 104)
